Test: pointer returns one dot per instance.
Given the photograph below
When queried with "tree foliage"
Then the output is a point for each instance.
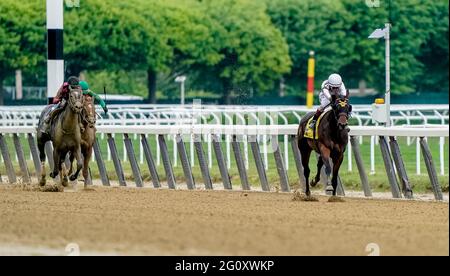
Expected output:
(233, 47)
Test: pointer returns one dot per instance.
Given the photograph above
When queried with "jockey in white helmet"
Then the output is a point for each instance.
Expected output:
(331, 87)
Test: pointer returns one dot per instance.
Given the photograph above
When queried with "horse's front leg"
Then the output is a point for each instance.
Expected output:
(57, 160)
(63, 176)
(337, 162)
(319, 169)
(78, 157)
(71, 158)
(325, 154)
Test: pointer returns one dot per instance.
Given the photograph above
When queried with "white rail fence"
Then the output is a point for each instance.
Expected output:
(158, 115)
(267, 136)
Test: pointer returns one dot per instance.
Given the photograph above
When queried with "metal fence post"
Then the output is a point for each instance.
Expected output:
(221, 162)
(431, 169)
(116, 160)
(340, 187)
(166, 162)
(185, 162)
(49, 154)
(240, 163)
(100, 164)
(360, 165)
(202, 161)
(259, 163)
(298, 162)
(401, 170)
(389, 168)
(133, 161)
(34, 154)
(150, 162)
(284, 180)
(21, 159)
(7, 159)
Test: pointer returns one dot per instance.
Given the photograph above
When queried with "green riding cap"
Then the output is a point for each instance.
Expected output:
(97, 100)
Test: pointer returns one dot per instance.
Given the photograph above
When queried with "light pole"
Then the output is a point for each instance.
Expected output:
(181, 80)
(380, 33)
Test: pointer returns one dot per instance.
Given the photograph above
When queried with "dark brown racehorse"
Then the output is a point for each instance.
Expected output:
(65, 136)
(88, 119)
(333, 139)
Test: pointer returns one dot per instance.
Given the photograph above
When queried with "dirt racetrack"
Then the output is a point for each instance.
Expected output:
(129, 221)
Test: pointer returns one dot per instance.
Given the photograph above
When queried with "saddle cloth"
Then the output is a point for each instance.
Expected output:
(309, 132)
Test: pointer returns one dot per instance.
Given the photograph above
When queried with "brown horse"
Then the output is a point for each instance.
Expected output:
(88, 119)
(331, 144)
(65, 136)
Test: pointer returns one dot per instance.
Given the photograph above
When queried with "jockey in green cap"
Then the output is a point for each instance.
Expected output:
(97, 100)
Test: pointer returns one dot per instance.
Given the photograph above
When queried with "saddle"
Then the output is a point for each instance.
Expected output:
(311, 133)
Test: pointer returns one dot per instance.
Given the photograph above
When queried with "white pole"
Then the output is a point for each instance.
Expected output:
(441, 155)
(372, 155)
(418, 156)
(349, 157)
(182, 92)
(55, 60)
(388, 76)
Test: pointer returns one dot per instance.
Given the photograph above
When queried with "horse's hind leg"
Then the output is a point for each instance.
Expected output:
(319, 168)
(325, 154)
(42, 157)
(305, 152)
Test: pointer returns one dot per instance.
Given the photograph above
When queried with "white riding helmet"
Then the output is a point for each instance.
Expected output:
(335, 80)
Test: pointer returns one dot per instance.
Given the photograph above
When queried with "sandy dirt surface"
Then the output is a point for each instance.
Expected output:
(130, 221)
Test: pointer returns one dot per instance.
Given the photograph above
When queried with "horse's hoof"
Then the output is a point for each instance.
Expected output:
(335, 199)
(73, 178)
(313, 183)
(53, 175)
(65, 182)
(42, 182)
(308, 193)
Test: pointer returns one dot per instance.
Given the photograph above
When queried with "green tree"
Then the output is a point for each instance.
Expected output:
(411, 29)
(434, 53)
(255, 54)
(21, 44)
(184, 36)
(311, 25)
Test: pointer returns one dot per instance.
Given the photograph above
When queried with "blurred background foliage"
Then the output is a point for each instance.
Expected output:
(232, 50)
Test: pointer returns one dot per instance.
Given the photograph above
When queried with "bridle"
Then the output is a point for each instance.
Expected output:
(339, 114)
(73, 99)
(85, 114)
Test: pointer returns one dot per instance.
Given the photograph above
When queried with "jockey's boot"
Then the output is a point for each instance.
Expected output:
(312, 125)
(45, 128)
